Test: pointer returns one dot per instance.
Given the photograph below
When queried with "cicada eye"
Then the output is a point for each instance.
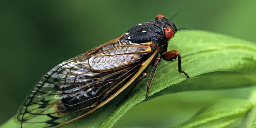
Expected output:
(159, 16)
(168, 32)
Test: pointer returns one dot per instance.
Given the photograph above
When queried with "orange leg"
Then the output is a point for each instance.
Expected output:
(169, 56)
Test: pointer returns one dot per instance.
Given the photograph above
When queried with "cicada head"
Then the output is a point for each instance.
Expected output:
(159, 31)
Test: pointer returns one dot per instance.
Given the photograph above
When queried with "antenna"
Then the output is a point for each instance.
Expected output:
(184, 29)
(174, 15)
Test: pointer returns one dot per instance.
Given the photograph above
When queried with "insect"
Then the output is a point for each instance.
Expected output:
(81, 85)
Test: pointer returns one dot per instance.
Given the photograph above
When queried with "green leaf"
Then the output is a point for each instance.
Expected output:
(220, 115)
(251, 120)
(220, 58)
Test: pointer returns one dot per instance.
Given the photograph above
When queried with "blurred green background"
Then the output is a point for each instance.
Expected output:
(37, 35)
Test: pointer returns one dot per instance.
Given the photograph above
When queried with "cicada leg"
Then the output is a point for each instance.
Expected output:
(143, 75)
(157, 60)
(169, 56)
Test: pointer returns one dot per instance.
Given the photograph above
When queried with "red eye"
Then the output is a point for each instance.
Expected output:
(159, 16)
(168, 32)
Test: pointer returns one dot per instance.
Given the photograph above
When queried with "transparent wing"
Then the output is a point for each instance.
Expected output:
(76, 86)
(69, 90)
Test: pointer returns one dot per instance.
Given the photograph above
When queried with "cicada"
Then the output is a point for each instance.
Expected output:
(79, 86)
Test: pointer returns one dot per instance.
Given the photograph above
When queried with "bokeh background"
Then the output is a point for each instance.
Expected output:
(37, 35)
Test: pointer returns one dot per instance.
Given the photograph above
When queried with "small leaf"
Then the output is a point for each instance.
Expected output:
(220, 115)
(202, 53)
